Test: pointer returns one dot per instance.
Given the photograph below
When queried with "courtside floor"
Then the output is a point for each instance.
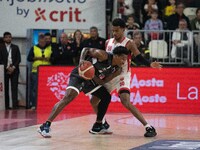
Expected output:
(70, 131)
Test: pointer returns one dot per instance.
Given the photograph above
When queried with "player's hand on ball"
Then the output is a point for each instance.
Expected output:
(156, 65)
(86, 70)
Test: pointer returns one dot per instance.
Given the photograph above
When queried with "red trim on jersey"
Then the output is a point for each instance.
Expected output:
(127, 43)
(106, 44)
(129, 61)
(123, 89)
(123, 39)
(113, 40)
(120, 41)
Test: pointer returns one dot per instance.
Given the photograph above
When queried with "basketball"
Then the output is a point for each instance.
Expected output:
(86, 70)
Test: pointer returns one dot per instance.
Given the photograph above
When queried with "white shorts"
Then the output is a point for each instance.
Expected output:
(121, 82)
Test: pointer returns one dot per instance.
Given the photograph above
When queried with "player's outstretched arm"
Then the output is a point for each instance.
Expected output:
(134, 50)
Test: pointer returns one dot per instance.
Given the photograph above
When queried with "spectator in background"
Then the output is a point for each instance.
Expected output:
(64, 54)
(95, 41)
(1, 40)
(181, 40)
(149, 7)
(10, 57)
(152, 25)
(39, 54)
(77, 45)
(195, 24)
(48, 40)
(170, 9)
(131, 25)
(47, 37)
(128, 9)
(173, 20)
(190, 3)
(137, 38)
(137, 6)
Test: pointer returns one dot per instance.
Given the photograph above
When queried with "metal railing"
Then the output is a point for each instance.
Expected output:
(163, 47)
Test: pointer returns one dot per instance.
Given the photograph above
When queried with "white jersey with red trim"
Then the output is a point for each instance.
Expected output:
(112, 43)
(121, 82)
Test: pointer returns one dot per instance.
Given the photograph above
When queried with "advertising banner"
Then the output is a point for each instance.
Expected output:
(169, 90)
(19, 15)
(2, 93)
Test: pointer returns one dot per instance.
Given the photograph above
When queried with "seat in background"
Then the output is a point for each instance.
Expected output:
(158, 49)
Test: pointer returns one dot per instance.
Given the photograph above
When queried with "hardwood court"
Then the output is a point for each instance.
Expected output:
(70, 131)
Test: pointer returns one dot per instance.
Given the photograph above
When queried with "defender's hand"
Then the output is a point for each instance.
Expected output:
(156, 65)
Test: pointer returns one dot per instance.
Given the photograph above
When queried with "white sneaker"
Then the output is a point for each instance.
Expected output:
(44, 130)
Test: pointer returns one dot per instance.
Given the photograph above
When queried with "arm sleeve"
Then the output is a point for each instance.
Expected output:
(142, 60)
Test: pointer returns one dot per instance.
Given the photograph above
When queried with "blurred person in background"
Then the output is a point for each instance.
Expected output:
(181, 40)
(10, 57)
(173, 20)
(95, 41)
(195, 24)
(128, 9)
(152, 25)
(77, 45)
(64, 54)
(47, 37)
(170, 9)
(131, 25)
(149, 7)
(39, 54)
(137, 38)
(48, 40)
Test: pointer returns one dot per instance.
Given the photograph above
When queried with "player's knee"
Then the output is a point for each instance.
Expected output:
(69, 96)
(94, 101)
(125, 99)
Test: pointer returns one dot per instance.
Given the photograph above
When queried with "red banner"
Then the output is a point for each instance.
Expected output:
(169, 90)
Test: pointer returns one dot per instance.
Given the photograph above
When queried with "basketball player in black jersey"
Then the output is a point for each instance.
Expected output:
(107, 66)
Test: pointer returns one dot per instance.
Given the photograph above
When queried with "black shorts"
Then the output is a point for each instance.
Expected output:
(79, 84)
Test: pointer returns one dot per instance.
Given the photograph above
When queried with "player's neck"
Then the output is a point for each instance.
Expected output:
(119, 40)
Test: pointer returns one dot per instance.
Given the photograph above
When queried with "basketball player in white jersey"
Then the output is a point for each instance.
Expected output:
(122, 82)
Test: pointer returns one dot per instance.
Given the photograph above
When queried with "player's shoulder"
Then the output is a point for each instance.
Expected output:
(110, 39)
(130, 43)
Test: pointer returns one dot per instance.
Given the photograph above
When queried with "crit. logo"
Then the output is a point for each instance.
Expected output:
(40, 14)
(58, 84)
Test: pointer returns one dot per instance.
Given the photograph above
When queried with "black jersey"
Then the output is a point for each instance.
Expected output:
(102, 70)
